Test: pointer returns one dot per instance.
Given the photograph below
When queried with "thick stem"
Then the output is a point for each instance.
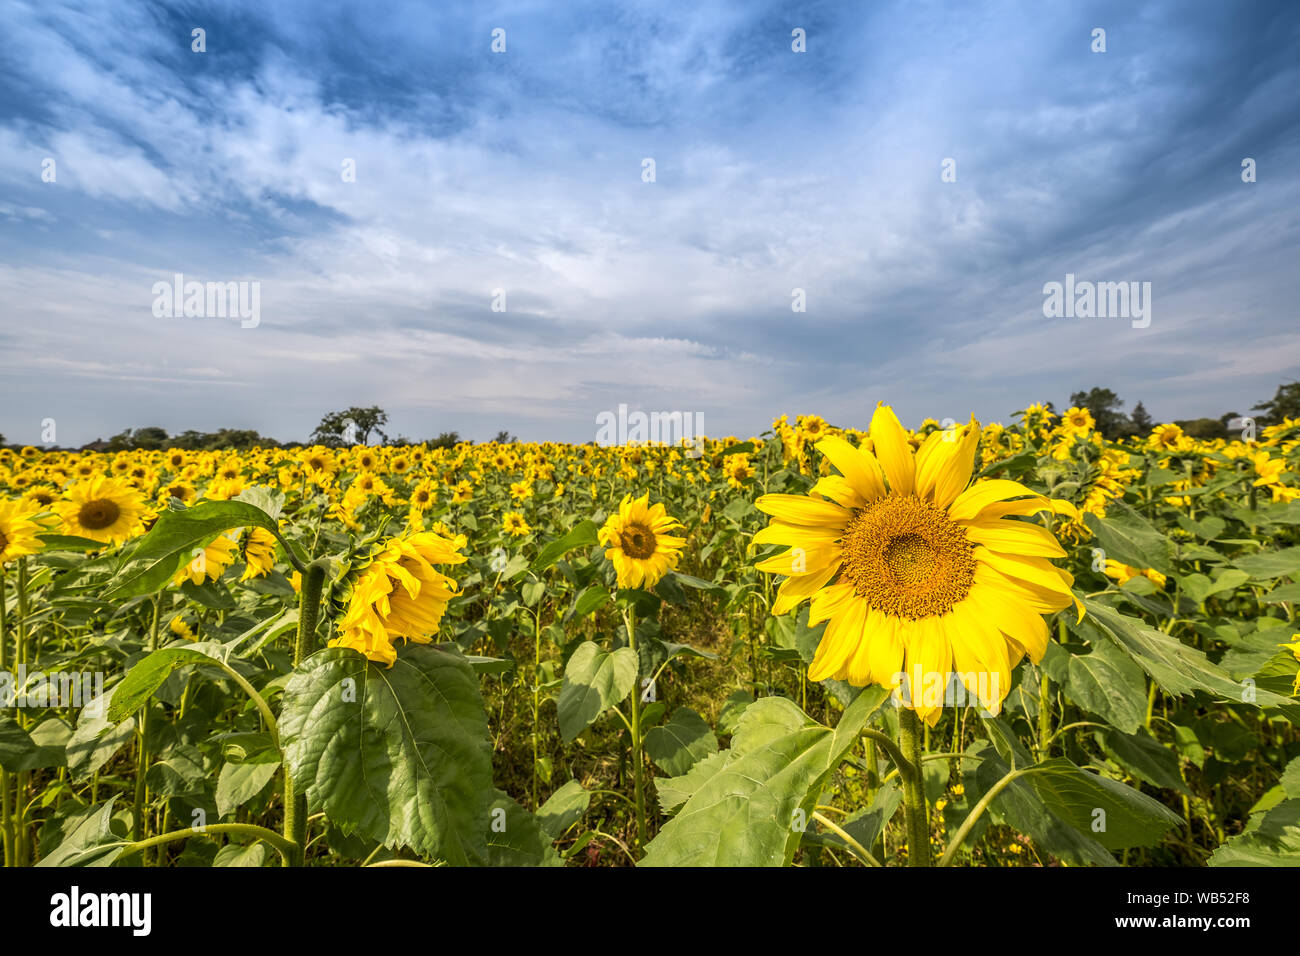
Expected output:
(295, 803)
(638, 776)
(22, 840)
(6, 812)
(914, 808)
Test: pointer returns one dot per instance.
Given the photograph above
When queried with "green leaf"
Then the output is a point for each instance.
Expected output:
(563, 809)
(402, 754)
(18, 751)
(1268, 565)
(592, 599)
(594, 680)
(1272, 840)
(676, 746)
(232, 854)
(69, 542)
(1130, 539)
(1144, 757)
(515, 838)
(170, 543)
(583, 534)
(742, 803)
(95, 741)
(1108, 684)
(144, 679)
(1287, 592)
(240, 782)
(1074, 795)
(87, 839)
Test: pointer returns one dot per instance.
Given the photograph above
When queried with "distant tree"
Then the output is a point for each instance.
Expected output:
(1105, 406)
(1205, 428)
(1140, 421)
(149, 439)
(351, 425)
(503, 437)
(1284, 404)
(446, 440)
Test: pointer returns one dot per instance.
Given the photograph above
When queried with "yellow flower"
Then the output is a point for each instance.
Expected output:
(399, 595)
(515, 524)
(918, 574)
(1122, 573)
(259, 553)
(181, 629)
(102, 509)
(638, 543)
(17, 531)
(1294, 648)
(217, 555)
(1078, 420)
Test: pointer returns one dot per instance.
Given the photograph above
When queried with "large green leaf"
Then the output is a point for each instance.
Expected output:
(1130, 539)
(594, 680)
(745, 806)
(171, 541)
(402, 754)
(516, 838)
(1271, 839)
(563, 809)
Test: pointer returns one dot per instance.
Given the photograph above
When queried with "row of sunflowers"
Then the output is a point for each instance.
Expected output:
(954, 645)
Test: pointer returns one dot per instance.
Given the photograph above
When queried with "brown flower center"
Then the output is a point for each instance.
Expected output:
(637, 541)
(99, 514)
(906, 558)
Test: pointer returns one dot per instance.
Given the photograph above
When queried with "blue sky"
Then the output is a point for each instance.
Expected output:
(522, 171)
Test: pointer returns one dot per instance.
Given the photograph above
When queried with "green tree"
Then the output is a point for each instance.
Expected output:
(503, 437)
(1140, 421)
(352, 425)
(1284, 404)
(446, 440)
(1105, 406)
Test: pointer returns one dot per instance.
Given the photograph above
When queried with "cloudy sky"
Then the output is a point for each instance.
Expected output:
(522, 171)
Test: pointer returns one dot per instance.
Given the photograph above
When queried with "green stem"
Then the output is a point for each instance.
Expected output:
(295, 803)
(22, 842)
(6, 818)
(245, 829)
(976, 812)
(142, 745)
(914, 808)
(629, 619)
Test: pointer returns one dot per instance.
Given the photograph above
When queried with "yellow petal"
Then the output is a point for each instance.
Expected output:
(893, 450)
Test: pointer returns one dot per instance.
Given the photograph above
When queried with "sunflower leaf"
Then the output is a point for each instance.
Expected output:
(171, 541)
(401, 754)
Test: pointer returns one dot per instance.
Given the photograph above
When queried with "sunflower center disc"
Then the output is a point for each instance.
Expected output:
(906, 558)
(97, 515)
(637, 542)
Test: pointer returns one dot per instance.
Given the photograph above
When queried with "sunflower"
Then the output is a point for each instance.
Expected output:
(181, 629)
(259, 553)
(399, 595)
(1294, 648)
(1122, 573)
(515, 524)
(102, 509)
(211, 563)
(638, 543)
(918, 574)
(17, 531)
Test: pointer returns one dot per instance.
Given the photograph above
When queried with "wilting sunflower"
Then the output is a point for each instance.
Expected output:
(514, 523)
(918, 574)
(638, 542)
(399, 595)
(102, 509)
(17, 531)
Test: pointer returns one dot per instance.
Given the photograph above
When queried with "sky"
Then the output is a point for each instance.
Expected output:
(919, 170)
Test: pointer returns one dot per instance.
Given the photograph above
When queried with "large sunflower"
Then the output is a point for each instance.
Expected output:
(918, 574)
(103, 509)
(638, 542)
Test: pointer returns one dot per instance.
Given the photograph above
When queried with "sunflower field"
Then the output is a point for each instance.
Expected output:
(1019, 645)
